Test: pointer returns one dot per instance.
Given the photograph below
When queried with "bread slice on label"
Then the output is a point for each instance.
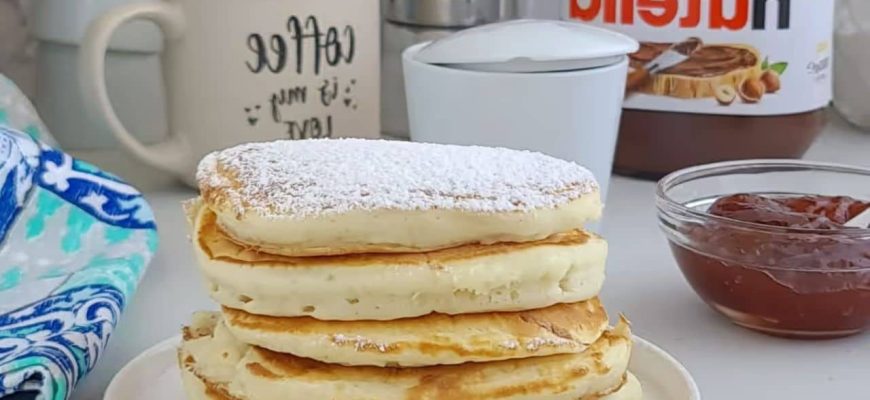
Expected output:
(709, 67)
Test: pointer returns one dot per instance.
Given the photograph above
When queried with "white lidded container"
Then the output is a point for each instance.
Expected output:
(554, 87)
(408, 22)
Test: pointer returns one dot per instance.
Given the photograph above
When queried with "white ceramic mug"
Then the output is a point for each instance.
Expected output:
(248, 70)
(572, 115)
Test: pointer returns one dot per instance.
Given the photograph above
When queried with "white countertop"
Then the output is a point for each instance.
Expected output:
(643, 282)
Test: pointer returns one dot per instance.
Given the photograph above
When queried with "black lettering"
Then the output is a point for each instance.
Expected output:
(351, 48)
(298, 94)
(287, 97)
(279, 48)
(332, 47)
(258, 46)
(297, 130)
(290, 128)
(305, 127)
(316, 128)
(314, 27)
(310, 128)
(294, 27)
(759, 14)
(276, 100)
(328, 91)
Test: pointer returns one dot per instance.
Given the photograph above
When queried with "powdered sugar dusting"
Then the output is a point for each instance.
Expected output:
(510, 344)
(360, 343)
(329, 176)
(535, 344)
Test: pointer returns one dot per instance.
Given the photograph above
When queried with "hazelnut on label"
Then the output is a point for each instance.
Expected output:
(751, 90)
(771, 81)
(725, 94)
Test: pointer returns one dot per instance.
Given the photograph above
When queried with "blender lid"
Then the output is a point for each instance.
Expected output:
(529, 46)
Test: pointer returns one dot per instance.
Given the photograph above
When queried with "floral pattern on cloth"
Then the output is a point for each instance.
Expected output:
(74, 243)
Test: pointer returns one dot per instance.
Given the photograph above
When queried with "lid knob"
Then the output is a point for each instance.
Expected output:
(529, 46)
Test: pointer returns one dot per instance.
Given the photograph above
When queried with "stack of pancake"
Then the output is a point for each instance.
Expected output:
(355, 269)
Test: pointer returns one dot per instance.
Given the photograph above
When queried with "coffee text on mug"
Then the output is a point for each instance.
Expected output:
(334, 45)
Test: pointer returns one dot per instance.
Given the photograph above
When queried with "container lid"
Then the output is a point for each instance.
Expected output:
(529, 46)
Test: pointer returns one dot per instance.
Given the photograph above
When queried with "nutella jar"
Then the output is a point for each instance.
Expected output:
(718, 80)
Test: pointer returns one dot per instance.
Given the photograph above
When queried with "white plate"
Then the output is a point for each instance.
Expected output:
(154, 375)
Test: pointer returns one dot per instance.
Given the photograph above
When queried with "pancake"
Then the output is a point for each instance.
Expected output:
(200, 389)
(434, 339)
(216, 366)
(329, 197)
(564, 268)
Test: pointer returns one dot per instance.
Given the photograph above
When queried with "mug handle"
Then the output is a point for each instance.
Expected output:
(173, 154)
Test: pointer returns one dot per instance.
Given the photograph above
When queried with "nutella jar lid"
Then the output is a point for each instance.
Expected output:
(529, 46)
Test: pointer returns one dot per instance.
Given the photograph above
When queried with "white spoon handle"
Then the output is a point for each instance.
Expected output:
(860, 221)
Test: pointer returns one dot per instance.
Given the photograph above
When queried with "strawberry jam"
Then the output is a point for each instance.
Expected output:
(782, 265)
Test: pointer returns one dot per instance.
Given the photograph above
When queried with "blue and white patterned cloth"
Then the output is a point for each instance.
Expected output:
(74, 243)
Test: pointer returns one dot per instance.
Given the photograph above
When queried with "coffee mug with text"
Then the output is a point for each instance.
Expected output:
(248, 70)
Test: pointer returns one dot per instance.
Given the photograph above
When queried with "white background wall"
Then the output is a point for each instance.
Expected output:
(17, 50)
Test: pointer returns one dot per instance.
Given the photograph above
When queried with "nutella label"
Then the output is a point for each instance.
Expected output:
(735, 57)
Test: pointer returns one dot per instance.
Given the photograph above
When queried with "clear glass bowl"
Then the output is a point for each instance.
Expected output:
(800, 283)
